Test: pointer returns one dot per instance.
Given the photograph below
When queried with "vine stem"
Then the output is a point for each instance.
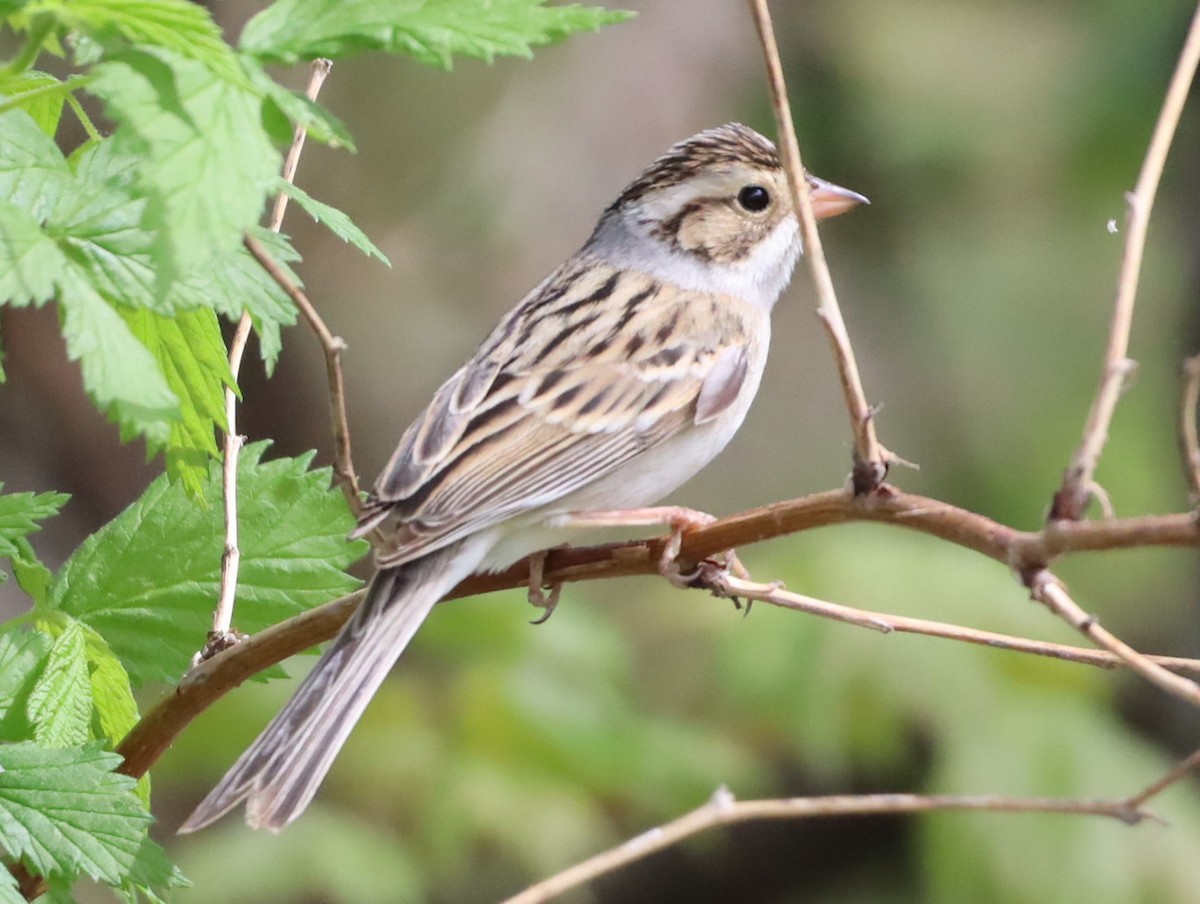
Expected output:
(220, 636)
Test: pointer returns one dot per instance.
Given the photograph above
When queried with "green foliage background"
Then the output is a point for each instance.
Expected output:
(995, 142)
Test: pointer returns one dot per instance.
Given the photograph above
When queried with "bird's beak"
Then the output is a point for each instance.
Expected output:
(829, 200)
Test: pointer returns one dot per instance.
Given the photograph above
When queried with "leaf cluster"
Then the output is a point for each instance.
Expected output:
(136, 237)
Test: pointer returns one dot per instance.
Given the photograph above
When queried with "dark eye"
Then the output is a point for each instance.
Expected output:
(754, 197)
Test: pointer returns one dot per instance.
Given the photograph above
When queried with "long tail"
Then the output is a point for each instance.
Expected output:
(280, 772)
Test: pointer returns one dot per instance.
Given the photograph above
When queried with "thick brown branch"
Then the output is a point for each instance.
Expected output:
(212, 679)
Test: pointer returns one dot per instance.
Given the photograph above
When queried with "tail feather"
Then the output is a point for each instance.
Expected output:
(280, 772)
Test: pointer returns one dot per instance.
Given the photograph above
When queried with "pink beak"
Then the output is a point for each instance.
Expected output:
(829, 200)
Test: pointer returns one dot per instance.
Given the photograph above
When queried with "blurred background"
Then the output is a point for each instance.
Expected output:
(995, 142)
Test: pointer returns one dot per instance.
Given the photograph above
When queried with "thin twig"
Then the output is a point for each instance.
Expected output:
(332, 347)
(1188, 439)
(1071, 500)
(775, 595)
(1175, 774)
(871, 459)
(212, 679)
(1046, 588)
(723, 810)
(220, 636)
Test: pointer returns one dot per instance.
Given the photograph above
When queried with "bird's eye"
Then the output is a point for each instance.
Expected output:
(754, 197)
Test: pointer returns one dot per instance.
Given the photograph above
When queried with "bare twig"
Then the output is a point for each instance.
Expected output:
(220, 636)
(1072, 498)
(1188, 439)
(1157, 787)
(212, 679)
(1049, 590)
(723, 810)
(871, 459)
(332, 346)
(773, 594)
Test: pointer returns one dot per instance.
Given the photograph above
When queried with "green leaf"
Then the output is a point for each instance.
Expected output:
(32, 576)
(60, 704)
(154, 609)
(191, 353)
(39, 94)
(119, 372)
(433, 31)
(10, 893)
(115, 710)
(20, 514)
(29, 259)
(336, 221)
(66, 813)
(34, 175)
(101, 225)
(185, 28)
(22, 657)
(322, 125)
(206, 161)
(234, 282)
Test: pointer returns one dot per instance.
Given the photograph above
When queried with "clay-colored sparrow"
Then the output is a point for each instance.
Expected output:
(614, 381)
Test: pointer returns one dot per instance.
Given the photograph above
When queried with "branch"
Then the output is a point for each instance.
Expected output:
(1047, 589)
(1176, 774)
(871, 459)
(332, 346)
(727, 585)
(1188, 439)
(723, 810)
(1078, 485)
(215, 677)
(220, 636)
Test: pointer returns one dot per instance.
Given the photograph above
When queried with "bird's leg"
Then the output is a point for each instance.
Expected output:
(677, 518)
(537, 587)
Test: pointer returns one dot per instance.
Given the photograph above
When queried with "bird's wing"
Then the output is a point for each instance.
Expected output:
(533, 417)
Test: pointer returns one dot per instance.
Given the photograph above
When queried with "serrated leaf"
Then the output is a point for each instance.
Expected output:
(115, 710)
(186, 28)
(234, 282)
(39, 94)
(101, 225)
(10, 893)
(336, 221)
(206, 167)
(432, 31)
(20, 514)
(65, 813)
(119, 372)
(60, 704)
(29, 259)
(302, 110)
(154, 609)
(32, 576)
(22, 657)
(191, 353)
(34, 175)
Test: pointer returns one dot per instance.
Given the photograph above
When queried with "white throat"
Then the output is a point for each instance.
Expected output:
(760, 278)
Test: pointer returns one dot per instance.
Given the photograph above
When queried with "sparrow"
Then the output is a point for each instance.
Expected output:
(615, 380)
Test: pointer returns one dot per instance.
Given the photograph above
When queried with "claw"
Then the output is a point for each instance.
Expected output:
(537, 594)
